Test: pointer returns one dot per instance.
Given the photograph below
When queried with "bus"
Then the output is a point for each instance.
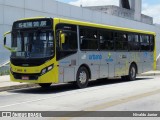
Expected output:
(49, 51)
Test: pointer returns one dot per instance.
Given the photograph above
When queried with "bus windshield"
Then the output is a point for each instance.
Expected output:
(32, 44)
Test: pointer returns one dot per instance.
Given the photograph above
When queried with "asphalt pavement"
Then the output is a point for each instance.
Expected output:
(143, 94)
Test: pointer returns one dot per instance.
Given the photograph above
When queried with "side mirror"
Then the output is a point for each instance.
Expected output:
(62, 36)
(4, 40)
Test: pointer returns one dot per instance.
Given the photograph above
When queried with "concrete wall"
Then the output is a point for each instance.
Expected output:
(122, 12)
(11, 10)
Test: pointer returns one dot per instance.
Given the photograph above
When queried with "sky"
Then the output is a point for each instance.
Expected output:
(149, 7)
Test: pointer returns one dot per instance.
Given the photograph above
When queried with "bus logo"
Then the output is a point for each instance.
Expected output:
(95, 57)
(109, 59)
(145, 54)
(109, 55)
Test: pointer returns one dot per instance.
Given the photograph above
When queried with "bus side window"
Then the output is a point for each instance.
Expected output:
(133, 42)
(125, 41)
(82, 39)
(121, 41)
(145, 44)
(152, 43)
(106, 40)
(88, 38)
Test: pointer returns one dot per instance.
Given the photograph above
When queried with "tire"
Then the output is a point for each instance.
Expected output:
(132, 72)
(45, 85)
(82, 77)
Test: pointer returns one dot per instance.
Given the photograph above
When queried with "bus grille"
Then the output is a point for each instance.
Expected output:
(31, 63)
(30, 76)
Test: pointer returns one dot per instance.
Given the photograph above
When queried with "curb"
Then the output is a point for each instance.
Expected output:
(149, 74)
(13, 87)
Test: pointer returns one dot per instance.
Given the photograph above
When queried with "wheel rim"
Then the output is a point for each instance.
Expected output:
(83, 77)
(133, 72)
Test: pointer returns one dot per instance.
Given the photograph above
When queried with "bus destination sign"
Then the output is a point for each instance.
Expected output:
(32, 24)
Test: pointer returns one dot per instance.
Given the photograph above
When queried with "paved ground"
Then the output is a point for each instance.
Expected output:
(6, 84)
(143, 94)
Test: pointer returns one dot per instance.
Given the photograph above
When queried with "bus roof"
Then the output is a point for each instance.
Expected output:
(32, 18)
(89, 24)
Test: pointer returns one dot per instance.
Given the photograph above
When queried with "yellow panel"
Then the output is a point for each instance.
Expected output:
(155, 55)
(104, 26)
(32, 18)
(49, 77)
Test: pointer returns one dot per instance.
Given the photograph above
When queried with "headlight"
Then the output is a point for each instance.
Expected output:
(50, 67)
(47, 69)
(44, 71)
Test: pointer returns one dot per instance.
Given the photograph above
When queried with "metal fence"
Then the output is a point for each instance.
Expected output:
(4, 69)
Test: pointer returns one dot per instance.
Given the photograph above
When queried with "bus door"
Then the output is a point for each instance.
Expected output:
(66, 51)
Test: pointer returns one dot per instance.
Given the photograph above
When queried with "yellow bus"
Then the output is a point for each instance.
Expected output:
(56, 50)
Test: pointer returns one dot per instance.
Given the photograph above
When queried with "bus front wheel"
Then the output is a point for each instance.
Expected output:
(45, 85)
(82, 77)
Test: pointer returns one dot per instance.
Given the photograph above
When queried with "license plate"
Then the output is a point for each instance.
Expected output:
(25, 78)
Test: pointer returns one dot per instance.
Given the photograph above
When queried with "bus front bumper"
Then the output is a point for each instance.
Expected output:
(37, 78)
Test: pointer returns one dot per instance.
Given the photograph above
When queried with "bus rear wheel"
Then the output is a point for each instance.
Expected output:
(45, 85)
(82, 77)
(132, 73)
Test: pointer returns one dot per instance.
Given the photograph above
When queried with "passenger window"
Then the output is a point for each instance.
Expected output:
(88, 39)
(106, 40)
(145, 44)
(152, 43)
(121, 41)
(133, 42)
